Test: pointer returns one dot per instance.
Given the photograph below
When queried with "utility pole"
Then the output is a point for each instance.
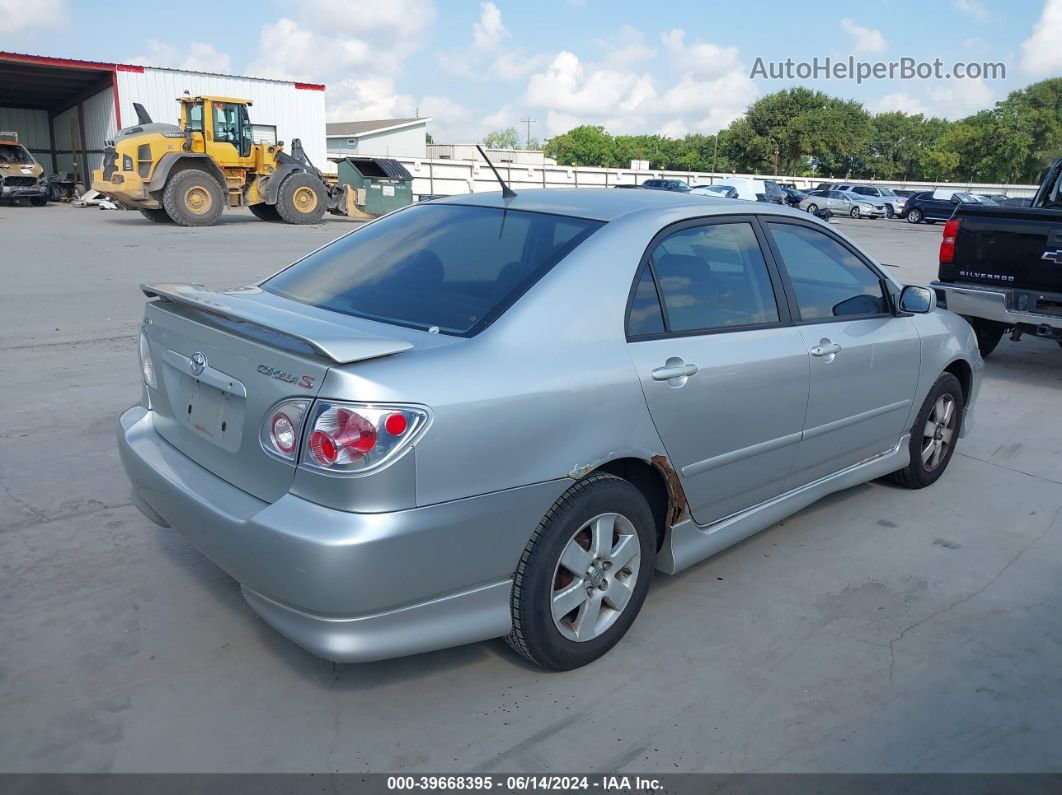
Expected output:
(528, 121)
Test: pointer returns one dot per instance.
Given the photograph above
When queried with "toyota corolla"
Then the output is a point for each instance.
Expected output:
(496, 416)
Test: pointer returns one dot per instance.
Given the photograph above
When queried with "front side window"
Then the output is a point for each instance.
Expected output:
(227, 123)
(828, 279)
(712, 277)
(451, 267)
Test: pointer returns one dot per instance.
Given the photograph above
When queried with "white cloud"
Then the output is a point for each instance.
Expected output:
(20, 16)
(704, 59)
(1042, 51)
(489, 31)
(955, 99)
(864, 40)
(899, 101)
(568, 87)
(627, 48)
(200, 57)
(972, 7)
(372, 97)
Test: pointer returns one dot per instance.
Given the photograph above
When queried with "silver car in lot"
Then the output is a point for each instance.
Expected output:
(841, 203)
(490, 416)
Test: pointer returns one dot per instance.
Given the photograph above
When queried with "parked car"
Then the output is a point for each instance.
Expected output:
(394, 447)
(667, 184)
(1018, 201)
(1001, 266)
(793, 197)
(841, 203)
(21, 176)
(905, 192)
(719, 191)
(762, 190)
(894, 203)
(936, 205)
(997, 198)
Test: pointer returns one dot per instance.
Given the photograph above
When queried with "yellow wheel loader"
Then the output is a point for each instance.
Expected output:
(188, 174)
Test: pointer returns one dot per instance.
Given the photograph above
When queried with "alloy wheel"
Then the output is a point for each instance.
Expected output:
(939, 432)
(595, 577)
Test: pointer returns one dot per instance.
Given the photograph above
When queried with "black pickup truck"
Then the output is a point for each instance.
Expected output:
(1001, 266)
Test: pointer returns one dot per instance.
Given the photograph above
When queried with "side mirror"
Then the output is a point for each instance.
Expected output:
(919, 300)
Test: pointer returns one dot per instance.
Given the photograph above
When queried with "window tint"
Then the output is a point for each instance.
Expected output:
(646, 316)
(451, 266)
(828, 279)
(864, 191)
(713, 277)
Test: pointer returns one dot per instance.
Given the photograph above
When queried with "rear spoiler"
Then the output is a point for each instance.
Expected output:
(334, 341)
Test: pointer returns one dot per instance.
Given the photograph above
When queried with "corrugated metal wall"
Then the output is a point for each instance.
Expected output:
(295, 112)
(31, 126)
(68, 141)
(99, 120)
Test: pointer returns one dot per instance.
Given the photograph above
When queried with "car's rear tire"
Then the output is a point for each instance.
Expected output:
(914, 216)
(157, 215)
(584, 574)
(988, 333)
(265, 212)
(934, 435)
(193, 198)
(301, 199)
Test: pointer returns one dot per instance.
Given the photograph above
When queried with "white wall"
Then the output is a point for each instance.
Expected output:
(295, 112)
(452, 177)
(31, 126)
(405, 142)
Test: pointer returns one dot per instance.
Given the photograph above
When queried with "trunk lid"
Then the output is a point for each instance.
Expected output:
(1005, 246)
(223, 359)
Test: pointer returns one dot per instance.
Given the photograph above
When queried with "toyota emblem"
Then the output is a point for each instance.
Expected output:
(198, 363)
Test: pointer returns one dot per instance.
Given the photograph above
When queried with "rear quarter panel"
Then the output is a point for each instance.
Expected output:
(549, 391)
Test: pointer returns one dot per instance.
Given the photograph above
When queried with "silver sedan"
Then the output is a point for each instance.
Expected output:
(842, 203)
(497, 416)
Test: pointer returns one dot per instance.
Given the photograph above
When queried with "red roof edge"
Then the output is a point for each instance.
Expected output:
(70, 63)
(310, 86)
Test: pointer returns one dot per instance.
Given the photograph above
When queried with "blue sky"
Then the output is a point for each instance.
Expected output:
(672, 67)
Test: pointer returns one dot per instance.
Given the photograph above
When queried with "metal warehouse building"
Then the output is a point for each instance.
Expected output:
(64, 110)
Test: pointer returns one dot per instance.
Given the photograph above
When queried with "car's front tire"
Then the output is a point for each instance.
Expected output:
(934, 435)
(584, 574)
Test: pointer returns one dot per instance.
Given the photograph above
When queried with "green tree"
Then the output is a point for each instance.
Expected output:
(586, 145)
(502, 139)
(781, 132)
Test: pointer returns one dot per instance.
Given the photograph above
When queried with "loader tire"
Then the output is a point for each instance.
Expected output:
(193, 198)
(265, 212)
(301, 199)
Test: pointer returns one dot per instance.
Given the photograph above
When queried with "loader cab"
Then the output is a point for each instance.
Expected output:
(225, 126)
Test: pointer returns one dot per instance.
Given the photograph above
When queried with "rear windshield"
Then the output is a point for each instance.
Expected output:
(436, 266)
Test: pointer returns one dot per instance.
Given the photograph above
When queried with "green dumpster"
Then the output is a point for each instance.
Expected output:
(380, 185)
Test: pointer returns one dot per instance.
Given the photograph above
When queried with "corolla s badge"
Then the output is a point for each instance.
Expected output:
(305, 381)
(198, 363)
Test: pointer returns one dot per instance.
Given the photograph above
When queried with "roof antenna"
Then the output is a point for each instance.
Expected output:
(507, 192)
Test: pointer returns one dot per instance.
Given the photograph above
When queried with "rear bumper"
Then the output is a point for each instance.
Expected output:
(994, 304)
(348, 587)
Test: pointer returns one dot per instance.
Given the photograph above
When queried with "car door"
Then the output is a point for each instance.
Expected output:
(839, 203)
(724, 372)
(864, 358)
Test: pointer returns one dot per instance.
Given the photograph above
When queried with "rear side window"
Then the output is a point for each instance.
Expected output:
(451, 267)
(828, 279)
(710, 277)
(645, 316)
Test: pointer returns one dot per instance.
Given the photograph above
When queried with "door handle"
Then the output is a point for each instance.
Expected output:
(668, 372)
(826, 348)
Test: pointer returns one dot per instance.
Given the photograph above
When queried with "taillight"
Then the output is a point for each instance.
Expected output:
(280, 431)
(947, 243)
(147, 366)
(348, 438)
